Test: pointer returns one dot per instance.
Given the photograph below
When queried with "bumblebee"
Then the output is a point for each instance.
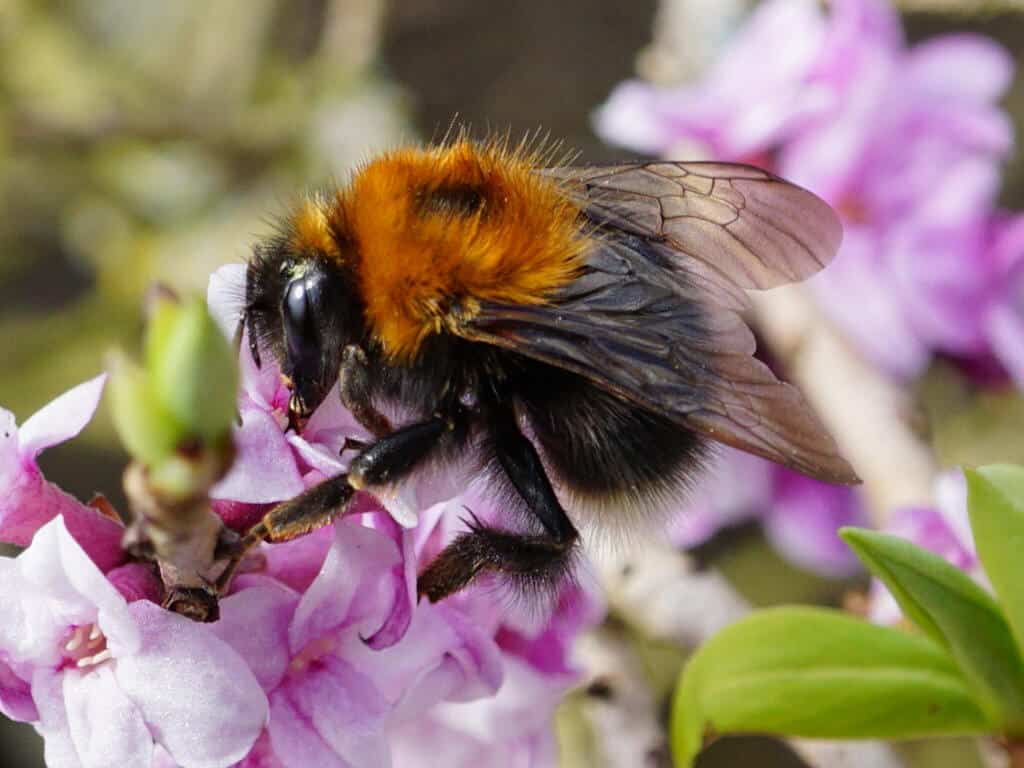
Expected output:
(571, 328)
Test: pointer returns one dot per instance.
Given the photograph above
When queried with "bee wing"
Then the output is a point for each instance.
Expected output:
(730, 221)
(639, 323)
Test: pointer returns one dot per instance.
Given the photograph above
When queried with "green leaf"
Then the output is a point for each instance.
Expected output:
(954, 611)
(819, 674)
(995, 501)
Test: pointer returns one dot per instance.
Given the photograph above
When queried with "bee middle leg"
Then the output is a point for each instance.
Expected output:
(354, 385)
(387, 460)
(537, 561)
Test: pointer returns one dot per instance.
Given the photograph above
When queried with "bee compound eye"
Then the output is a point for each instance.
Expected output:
(298, 309)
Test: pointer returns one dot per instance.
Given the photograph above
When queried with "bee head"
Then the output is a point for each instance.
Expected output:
(300, 306)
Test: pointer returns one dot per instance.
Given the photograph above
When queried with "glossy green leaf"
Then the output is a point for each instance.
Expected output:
(819, 674)
(954, 611)
(995, 500)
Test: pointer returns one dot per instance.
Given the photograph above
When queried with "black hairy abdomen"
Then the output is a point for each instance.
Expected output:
(602, 447)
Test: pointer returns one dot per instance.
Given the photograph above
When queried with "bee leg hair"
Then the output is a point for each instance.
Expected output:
(535, 562)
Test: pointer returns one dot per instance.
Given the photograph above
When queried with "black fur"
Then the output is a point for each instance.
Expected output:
(600, 448)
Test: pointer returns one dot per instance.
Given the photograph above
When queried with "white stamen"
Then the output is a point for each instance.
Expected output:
(74, 643)
(95, 634)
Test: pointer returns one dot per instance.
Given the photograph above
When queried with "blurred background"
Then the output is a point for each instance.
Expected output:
(144, 141)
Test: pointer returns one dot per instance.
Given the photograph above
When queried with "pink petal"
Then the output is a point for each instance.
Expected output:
(261, 756)
(295, 742)
(804, 521)
(60, 419)
(354, 587)
(960, 66)
(197, 695)
(1004, 328)
(346, 710)
(268, 606)
(57, 587)
(320, 458)
(106, 727)
(48, 695)
(264, 468)
(225, 296)
(404, 583)
(16, 696)
(297, 563)
(630, 119)
(136, 581)
(28, 501)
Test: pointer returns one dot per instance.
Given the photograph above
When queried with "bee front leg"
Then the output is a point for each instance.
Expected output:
(387, 460)
(354, 384)
(311, 509)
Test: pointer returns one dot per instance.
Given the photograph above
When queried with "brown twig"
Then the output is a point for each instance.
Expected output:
(185, 538)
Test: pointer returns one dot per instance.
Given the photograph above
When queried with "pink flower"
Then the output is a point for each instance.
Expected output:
(28, 500)
(104, 680)
(800, 516)
(906, 143)
(357, 671)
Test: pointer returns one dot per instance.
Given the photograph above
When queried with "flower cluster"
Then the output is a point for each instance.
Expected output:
(322, 654)
(906, 142)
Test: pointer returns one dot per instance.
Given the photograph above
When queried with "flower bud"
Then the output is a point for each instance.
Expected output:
(192, 369)
(147, 429)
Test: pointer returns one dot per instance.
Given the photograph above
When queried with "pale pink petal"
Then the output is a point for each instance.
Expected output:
(58, 587)
(264, 469)
(294, 739)
(296, 563)
(268, 606)
(60, 419)
(225, 296)
(354, 587)
(48, 695)
(318, 457)
(106, 727)
(346, 710)
(403, 580)
(962, 66)
(197, 695)
(630, 118)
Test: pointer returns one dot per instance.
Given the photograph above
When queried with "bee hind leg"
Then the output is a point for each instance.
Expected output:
(535, 562)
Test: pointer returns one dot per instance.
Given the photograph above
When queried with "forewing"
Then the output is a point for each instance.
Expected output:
(638, 323)
(726, 220)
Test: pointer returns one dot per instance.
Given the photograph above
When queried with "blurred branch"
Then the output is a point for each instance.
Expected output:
(866, 412)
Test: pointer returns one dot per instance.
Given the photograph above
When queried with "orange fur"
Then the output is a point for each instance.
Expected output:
(415, 262)
(310, 230)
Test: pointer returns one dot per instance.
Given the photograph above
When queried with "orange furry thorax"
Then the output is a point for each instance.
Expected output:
(426, 231)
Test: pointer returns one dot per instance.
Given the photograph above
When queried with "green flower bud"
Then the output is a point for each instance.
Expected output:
(148, 430)
(192, 368)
